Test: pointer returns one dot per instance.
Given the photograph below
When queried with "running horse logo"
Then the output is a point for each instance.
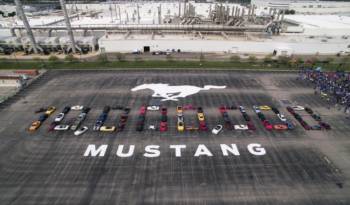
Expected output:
(168, 92)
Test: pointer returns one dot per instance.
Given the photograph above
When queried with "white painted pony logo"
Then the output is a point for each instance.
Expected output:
(168, 92)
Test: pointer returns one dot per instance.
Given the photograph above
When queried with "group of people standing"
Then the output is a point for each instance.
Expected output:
(334, 86)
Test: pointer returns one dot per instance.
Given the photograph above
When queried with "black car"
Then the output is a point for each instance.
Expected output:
(309, 110)
(126, 110)
(246, 117)
(275, 110)
(106, 109)
(66, 110)
(139, 126)
(233, 107)
(118, 107)
(325, 125)
(86, 110)
(141, 118)
(226, 117)
(40, 110)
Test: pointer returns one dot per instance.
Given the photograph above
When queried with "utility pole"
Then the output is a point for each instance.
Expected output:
(138, 14)
(69, 29)
(160, 14)
(26, 25)
(120, 15)
(110, 10)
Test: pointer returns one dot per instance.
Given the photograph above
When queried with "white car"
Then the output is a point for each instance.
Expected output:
(61, 127)
(153, 108)
(282, 117)
(77, 107)
(256, 109)
(81, 131)
(180, 118)
(241, 127)
(298, 108)
(59, 117)
(151, 127)
(242, 109)
(217, 129)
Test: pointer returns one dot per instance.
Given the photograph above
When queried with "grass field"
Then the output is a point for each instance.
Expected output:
(160, 64)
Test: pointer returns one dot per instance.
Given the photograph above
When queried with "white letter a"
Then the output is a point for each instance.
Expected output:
(202, 150)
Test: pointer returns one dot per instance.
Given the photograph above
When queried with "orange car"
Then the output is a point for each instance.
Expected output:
(179, 109)
(35, 125)
(280, 127)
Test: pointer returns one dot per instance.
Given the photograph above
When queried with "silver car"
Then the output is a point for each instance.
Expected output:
(81, 131)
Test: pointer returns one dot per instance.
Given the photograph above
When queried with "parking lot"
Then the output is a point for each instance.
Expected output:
(299, 167)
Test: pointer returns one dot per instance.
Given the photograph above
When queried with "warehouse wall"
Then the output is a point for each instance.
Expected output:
(110, 45)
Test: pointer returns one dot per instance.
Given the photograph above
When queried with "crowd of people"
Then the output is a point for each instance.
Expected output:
(333, 86)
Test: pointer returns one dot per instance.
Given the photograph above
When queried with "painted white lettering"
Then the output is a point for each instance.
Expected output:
(177, 149)
(93, 152)
(256, 149)
(152, 151)
(128, 154)
(232, 149)
(202, 150)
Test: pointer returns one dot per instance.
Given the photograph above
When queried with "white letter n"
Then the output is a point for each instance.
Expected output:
(226, 149)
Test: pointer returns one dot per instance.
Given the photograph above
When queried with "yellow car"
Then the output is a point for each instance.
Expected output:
(323, 94)
(107, 129)
(200, 116)
(35, 125)
(50, 110)
(264, 107)
(180, 126)
(179, 109)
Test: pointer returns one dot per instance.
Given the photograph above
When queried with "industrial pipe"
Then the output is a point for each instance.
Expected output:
(154, 27)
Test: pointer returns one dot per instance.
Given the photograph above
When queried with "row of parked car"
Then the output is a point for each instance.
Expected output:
(163, 127)
(75, 124)
(321, 125)
(202, 126)
(47, 112)
(229, 125)
(100, 122)
(141, 119)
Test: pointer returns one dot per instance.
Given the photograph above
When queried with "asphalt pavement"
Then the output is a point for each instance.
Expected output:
(298, 167)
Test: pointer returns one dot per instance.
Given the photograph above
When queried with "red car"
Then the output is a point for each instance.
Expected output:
(203, 126)
(222, 109)
(163, 126)
(189, 107)
(52, 126)
(142, 110)
(267, 125)
(251, 126)
(123, 118)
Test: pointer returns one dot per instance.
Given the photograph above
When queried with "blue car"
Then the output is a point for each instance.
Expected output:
(43, 117)
(290, 125)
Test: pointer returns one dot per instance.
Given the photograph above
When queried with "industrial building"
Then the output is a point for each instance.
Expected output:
(11, 81)
(186, 26)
